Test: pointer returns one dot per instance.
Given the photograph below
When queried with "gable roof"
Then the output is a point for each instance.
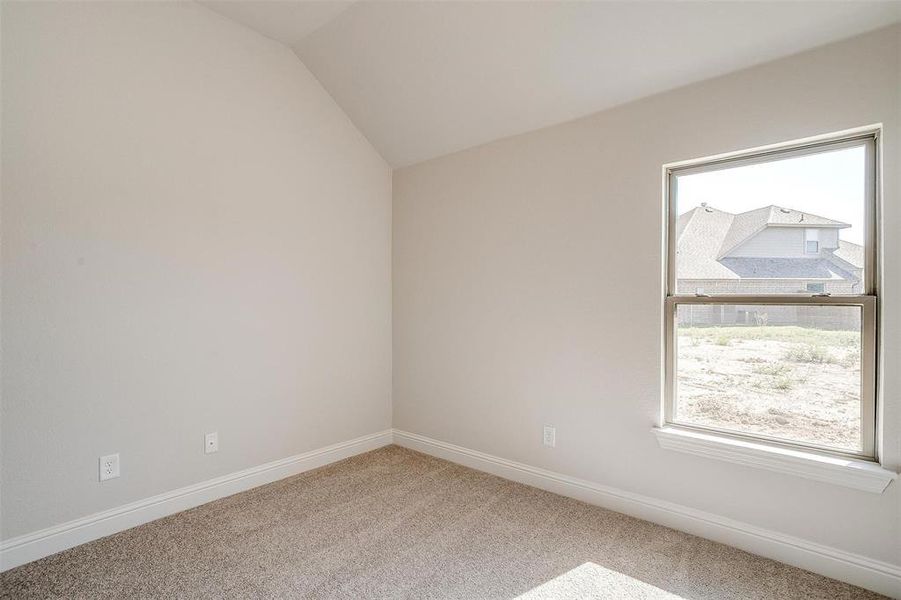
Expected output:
(746, 224)
(705, 234)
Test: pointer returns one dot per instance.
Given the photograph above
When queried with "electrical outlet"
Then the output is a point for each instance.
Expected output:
(550, 436)
(109, 467)
(211, 442)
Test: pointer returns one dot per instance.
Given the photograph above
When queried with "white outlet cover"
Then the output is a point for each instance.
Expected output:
(211, 442)
(550, 436)
(109, 467)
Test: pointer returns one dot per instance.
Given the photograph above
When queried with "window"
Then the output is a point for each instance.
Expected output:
(751, 351)
(811, 241)
(816, 288)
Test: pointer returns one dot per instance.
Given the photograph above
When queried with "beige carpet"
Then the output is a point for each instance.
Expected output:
(397, 524)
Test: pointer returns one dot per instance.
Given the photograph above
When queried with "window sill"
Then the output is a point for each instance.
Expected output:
(856, 474)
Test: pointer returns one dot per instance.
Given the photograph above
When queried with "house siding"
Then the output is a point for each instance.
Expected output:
(785, 242)
(773, 242)
(828, 239)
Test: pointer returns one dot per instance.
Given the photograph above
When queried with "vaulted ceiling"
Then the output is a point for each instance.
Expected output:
(422, 79)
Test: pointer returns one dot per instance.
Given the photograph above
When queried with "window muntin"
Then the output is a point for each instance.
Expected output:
(780, 382)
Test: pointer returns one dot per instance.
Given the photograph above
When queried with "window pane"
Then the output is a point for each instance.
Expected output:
(773, 227)
(789, 371)
(816, 288)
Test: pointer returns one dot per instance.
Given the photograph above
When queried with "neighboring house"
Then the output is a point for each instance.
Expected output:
(768, 250)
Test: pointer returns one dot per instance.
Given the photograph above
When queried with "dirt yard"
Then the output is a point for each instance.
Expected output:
(787, 382)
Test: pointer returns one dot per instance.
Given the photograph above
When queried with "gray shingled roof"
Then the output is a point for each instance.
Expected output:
(699, 235)
(788, 268)
(781, 216)
(850, 253)
(704, 234)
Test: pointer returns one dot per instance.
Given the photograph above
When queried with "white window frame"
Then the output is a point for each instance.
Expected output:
(866, 300)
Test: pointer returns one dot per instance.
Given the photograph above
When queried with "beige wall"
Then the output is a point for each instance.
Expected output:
(527, 289)
(194, 238)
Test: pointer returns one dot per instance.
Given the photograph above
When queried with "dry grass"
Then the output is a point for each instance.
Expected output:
(788, 334)
(809, 353)
(789, 382)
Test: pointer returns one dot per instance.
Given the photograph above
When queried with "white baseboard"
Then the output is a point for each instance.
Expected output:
(853, 568)
(26, 548)
(874, 575)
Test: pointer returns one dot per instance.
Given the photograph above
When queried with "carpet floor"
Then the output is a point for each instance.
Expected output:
(394, 523)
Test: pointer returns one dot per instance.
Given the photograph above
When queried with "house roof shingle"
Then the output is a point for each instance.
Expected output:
(785, 268)
(699, 235)
(850, 253)
(704, 235)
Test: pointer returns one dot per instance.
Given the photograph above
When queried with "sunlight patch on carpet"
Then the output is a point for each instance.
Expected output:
(590, 580)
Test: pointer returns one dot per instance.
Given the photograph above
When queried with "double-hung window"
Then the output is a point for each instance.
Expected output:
(771, 294)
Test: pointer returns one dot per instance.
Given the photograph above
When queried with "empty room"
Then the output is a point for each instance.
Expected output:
(460, 299)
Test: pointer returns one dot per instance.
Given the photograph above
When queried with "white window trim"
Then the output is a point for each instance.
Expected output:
(847, 472)
(858, 470)
(811, 235)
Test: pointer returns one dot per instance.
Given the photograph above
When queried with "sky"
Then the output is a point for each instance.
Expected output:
(830, 185)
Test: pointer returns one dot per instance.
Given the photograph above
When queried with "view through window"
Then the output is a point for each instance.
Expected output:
(770, 313)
